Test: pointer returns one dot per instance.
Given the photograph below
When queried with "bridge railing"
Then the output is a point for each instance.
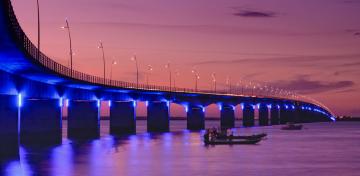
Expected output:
(38, 57)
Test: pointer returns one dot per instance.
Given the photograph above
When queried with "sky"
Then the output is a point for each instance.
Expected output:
(308, 46)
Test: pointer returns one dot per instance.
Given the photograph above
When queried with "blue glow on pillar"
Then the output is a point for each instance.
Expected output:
(278, 106)
(293, 107)
(109, 103)
(134, 104)
(242, 106)
(147, 103)
(269, 106)
(61, 102)
(203, 108)
(286, 106)
(253, 106)
(67, 103)
(258, 106)
(98, 103)
(20, 100)
(233, 107)
(220, 107)
(333, 118)
(168, 103)
(186, 108)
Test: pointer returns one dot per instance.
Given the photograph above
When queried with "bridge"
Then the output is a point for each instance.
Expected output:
(34, 89)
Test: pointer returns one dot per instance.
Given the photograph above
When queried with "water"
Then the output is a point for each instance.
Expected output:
(319, 149)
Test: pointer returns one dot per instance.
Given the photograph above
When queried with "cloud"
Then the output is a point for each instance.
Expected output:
(351, 1)
(346, 91)
(293, 60)
(254, 14)
(303, 85)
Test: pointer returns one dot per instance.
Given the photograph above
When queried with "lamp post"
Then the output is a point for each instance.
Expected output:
(111, 69)
(177, 73)
(67, 27)
(197, 77)
(103, 57)
(213, 76)
(167, 66)
(150, 69)
(228, 82)
(134, 58)
(38, 25)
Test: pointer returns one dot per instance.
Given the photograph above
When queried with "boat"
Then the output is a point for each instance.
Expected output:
(254, 136)
(232, 142)
(292, 127)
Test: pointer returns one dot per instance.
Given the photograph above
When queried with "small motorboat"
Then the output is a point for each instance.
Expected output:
(292, 127)
(254, 136)
(232, 142)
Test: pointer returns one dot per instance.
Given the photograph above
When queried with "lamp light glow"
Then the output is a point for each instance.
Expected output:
(20, 100)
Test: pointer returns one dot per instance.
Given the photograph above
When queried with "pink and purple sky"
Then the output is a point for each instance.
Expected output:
(308, 46)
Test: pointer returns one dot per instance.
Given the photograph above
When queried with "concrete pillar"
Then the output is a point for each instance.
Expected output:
(40, 121)
(275, 115)
(284, 114)
(83, 119)
(122, 117)
(248, 115)
(263, 115)
(158, 119)
(9, 125)
(195, 117)
(305, 115)
(227, 116)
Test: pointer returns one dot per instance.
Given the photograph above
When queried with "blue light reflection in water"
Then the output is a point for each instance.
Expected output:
(182, 152)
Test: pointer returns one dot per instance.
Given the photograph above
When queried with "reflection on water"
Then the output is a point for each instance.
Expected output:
(319, 149)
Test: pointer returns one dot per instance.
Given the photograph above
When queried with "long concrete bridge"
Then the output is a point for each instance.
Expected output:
(34, 88)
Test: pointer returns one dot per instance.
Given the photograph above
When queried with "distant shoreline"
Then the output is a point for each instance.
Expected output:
(352, 119)
(171, 118)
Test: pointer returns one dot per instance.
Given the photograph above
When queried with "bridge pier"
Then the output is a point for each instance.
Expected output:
(158, 118)
(195, 117)
(40, 121)
(275, 115)
(83, 119)
(9, 115)
(248, 115)
(227, 116)
(122, 117)
(263, 115)
(284, 114)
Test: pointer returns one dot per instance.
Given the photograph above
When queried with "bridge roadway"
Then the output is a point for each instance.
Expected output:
(34, 89)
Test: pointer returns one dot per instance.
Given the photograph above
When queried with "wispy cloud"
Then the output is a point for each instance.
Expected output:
(304, 61)
(304, 85)
(255, 14)
(351, 1)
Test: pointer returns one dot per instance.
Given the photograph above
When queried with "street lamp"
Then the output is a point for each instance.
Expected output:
(134, 58)
(197, 77)
(111, 68)
(103, 57)
(228, 82)
(213, 75)
(38, 25)
(150, 69)
(67, 27)
(167, 66)
(177, 73)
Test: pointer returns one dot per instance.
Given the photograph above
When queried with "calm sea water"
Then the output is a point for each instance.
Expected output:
(320, 149)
